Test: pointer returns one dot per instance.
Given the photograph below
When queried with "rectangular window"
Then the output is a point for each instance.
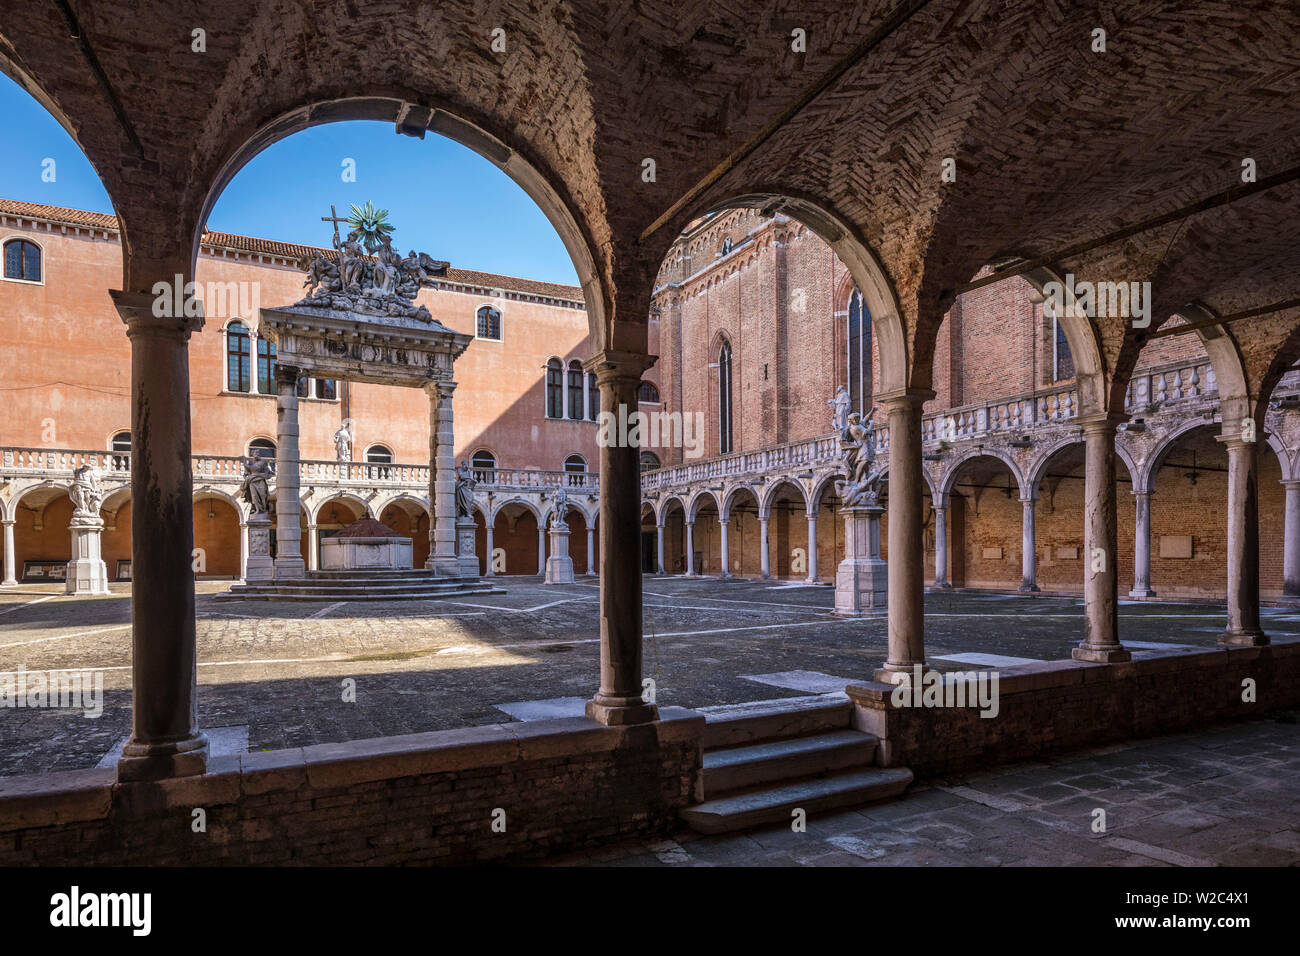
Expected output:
(238, 370)
(266, 367)
(326, 388)
(1062, 360)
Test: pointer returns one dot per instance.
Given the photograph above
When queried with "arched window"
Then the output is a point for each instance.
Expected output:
(266, 367)
(575, 466)
(121, 443)
(261, 448)
(489, 323)
(649, 461)
(724, 399)
(484, 464)
(859, 354)
(593, 397)
(647, 392)
(22, 260)
(237, 358)
(380, 455)
(576, 382)
(554, 389)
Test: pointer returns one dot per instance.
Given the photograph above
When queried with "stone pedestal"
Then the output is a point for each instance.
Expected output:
(465, 549)
(87, 573)
(260, 566)
(559, 566)
(861, 581)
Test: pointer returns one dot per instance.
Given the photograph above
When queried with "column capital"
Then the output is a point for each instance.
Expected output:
(1137, 493)
(140, 311)
(4, 521)
(611, 365)
(439, 390)
(1029, 500)
(287, 374)
(1290, 484)
(905, 398)
(1101, 422)
(1233, 441)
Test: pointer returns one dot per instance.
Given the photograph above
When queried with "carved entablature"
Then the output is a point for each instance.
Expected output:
(387, 350)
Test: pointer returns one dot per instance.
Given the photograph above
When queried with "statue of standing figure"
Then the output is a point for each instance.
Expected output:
(343, 441)
(85, 492)
(255, 487)
(840, 409)
(465, 490)
(561, 509)
(858, 442)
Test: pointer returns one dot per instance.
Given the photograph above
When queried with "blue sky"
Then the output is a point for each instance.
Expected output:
(443, 198)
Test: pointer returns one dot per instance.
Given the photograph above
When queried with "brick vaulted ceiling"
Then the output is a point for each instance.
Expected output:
(1055, 145)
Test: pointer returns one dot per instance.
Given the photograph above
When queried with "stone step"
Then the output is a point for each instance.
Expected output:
(310, 591)
(775, 761)
(731, 725)
(769, 805)
(396, 574)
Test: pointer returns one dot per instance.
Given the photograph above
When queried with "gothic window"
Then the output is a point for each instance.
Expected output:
(22, 260)
(726, 245)
(489, 323)
(724, 399)
(859, 354)
(265, 366)
(237, 358)
(648, 393)
(1062, 360)
(576, 382)
(554, 389)
(649, 461)
(593, 397)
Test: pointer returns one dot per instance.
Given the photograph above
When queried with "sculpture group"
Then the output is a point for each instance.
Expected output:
(861, 486)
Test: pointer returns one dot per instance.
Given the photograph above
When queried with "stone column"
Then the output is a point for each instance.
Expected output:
(442, 558)
(1100, 575)
(1290, 542)
(165, 739)
(313, 547)
(1028, 547)
(1142, 547)
(764, 558)
(591, 549)
(724, 524)
(690, 549)
(906, 572)
(491, 546)
(941, 543)
(659, 529)
(541, 549)
(11, 570)
(1243, 543)
(619, 700)
(812, 548)
(289, 564)
(243, 551)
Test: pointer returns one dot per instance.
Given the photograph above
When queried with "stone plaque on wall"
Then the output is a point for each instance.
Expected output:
(1067, 554)
(1175, 546)
(993, 553)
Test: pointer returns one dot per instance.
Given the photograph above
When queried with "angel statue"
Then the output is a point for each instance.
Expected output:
(858, 442)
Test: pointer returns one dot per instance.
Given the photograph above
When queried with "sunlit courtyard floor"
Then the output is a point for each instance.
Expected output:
(276, 672)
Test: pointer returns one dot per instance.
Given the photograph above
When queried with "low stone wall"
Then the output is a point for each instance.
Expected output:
(420, 798)
(1058, 706)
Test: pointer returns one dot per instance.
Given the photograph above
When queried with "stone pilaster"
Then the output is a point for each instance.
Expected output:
(165, 739)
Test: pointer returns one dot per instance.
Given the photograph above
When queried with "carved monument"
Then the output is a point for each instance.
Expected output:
(861, 580)
(86, 572)
(559, 566)
(255, 490)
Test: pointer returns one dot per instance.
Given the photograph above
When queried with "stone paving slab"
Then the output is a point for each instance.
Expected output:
(546, 709)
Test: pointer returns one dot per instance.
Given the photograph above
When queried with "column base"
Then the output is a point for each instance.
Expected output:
(1243, 637)
(1029, 589)
(446, 566)
(1141, 593)
(290, 569)
(8, 583)
(621, 711)
(901, 673)
(941, 586)
(177, 758)
(1101, 653)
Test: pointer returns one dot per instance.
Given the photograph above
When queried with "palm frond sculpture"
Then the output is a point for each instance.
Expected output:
(370, 225)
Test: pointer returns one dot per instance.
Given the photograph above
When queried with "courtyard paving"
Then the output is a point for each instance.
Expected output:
(272, 675)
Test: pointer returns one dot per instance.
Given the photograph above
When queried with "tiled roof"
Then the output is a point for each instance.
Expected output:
(288, 250)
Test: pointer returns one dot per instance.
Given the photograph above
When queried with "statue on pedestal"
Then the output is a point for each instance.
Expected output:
(465, 490)
(343, 441)
(561, 509)
(255, 488)
(840, 409)
(861, 487)
(85, 492)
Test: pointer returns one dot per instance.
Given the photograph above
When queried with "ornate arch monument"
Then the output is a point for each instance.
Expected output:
(359, 322)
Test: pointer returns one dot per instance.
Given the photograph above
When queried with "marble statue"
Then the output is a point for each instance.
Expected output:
(85, 492)
(840, 409)
(858, 445)
(560, 511)
(255, 487)
(385, 283)
(465, 490)
(343, 441)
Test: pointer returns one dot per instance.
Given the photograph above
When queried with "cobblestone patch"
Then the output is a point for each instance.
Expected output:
(280, 668)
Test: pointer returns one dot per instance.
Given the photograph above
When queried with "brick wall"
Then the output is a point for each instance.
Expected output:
(422, 798)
